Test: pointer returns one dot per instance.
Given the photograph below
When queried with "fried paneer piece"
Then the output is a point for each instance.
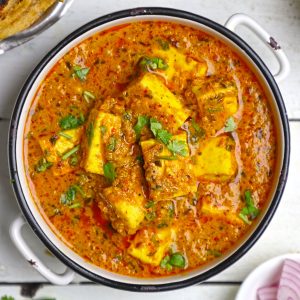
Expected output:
(126, 199)
(53, 151)
(102, 130)
(180, 65)
(167, 176)
(224, 212)
(216, 159)
(150, 96)
(151, 244)
(217, 100)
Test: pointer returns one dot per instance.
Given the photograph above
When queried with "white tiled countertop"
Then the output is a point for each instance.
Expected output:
(280, 18)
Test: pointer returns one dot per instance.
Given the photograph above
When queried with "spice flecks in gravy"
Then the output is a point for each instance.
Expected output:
(150, 149)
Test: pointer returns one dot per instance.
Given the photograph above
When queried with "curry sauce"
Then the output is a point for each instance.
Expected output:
(149, 149)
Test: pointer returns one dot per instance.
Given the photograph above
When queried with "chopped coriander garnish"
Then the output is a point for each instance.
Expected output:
(164, 264)
(199, 131)
(65, 135)
(81, 73)
(90, 132)
(153, 63)
(75, 205)
(141, 122)
(149, 204)
(43, 165)
(164, 136)
(109, 171)
(230, 125)
(103, 129)
(140, 159)
(70, 152)
(215, 253)
(250, 211)
(112, 144)
(172, 157)
(177, 260)
(178, 147)
(163, 44)
(73, 161)
(175, 146)
(69, 196)
(71, 122)
(88, 96)
(150, 216)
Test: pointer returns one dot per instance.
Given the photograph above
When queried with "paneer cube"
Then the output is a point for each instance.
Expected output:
(178, 63)
(217, 100)
(216, 159)
(163, 99)
(126, 198)
(221, 212)
(100, 127)
(151, 244)
(68, 140)
(127, 206)
(168, 176)
(65, 141)
(150, 96)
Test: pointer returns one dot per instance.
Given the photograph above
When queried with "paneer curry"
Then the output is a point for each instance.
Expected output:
(149, 149)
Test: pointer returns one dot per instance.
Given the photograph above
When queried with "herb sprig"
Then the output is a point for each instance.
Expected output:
(71, 122)
(153, 63)
(250, 211)
(177, 147)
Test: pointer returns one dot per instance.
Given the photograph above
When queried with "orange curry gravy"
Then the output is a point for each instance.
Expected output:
(149, 148)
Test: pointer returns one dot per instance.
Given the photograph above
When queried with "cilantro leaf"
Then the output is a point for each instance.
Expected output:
(230, 125)
(199, 131)
(70, 152)
(81, 73)
(250, 211)
(112, 144)
(155, 126)
(177, 260)
(159, 132)
(90, 132)
(149, 204)
(164, 136)
(163, 44)
(153, 63)
(43, 165)
(71, 122)
(103, 129)
(109, 171)
(178, 147)
(69, 196)
(141, 122)
(164, 264)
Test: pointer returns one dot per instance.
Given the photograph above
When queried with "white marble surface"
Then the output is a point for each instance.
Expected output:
(281, 18)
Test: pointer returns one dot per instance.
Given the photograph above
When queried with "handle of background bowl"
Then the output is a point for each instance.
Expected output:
(242, 19)
(15, 232)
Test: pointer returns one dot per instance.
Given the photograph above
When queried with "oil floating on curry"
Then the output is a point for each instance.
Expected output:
(149, 149)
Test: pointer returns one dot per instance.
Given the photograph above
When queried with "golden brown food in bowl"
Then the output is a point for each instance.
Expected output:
(149, 149)
(18, 15)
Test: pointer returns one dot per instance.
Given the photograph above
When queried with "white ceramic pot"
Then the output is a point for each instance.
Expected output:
(32, 215)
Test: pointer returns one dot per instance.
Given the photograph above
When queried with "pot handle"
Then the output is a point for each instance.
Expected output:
(15, 232)
(242, 19)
